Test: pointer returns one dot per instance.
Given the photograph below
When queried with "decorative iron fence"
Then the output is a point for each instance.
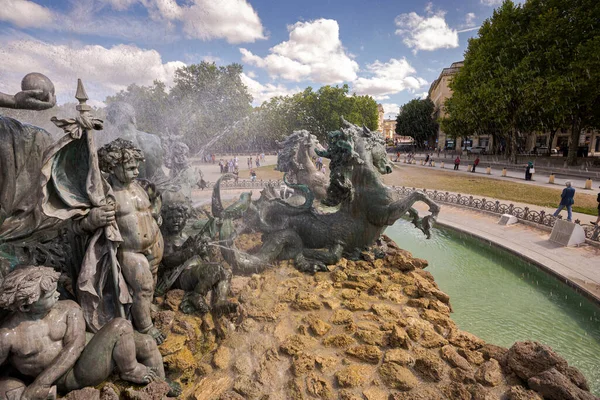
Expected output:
(496, 207)
(247, 184)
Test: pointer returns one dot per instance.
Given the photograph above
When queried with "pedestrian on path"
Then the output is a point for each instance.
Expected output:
(597, 219)
(566, 200)
(475, 164)
(529, 171)
(456, 163)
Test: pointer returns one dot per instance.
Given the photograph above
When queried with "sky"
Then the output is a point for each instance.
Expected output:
(391, 50)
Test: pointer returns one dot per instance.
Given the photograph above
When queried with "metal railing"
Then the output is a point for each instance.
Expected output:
(496, 207)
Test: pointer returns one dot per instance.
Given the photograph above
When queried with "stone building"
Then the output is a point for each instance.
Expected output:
(440, 91)
(389, 128)
(380, 118)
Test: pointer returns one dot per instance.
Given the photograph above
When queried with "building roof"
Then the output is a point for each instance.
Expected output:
(450, 71)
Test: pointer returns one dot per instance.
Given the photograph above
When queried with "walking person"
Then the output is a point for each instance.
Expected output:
(529, 171)
(475, 164)
(566, 200)
(456, 163)
(597, 219)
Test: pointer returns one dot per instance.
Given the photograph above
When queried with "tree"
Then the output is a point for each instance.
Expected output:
(207, 99)
(564, 55)
(151, 105)
(322, 110)
(417, 121)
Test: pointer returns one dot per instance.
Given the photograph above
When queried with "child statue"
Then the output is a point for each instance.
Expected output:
(44, 339)
(185, 265)
(141, 251)
(341, 152)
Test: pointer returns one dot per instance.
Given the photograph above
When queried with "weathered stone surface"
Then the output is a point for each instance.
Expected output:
(341, 316)
(346, 394)
(109, 392)
(450, 354)
(420, 393)
(356, 305)
(374, 393)
(387, 313)
(473, 357)
(400, 357)
(222, 357)
(318, 387)
(527, 359)
(295, 344)
(306, 301)
(489, 373)
(430, 366)
(156, 390)
(456, 391)
(349, 294)
(373, 337)
(367, 353)
(173, 299)
(338, 275)
(461, 375)
(303, 363)
(397, 376)
(465, 340)
(340, 340)
(399, 338)
(520, 393)
(88, 393)
(317, 326)
(553, 385)
(498, 353)
(354, 376)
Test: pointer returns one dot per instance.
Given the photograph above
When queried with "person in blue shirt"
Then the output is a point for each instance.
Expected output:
(566, 200)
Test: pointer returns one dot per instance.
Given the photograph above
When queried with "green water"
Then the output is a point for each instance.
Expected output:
(502, 299)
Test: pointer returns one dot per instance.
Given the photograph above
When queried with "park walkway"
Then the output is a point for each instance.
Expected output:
(539, 179)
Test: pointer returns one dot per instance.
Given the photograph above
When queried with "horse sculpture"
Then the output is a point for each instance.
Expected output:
(314, 238)
(295, 160)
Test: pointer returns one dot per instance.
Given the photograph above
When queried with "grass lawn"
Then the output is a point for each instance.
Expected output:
(489, 187)
(436, 179)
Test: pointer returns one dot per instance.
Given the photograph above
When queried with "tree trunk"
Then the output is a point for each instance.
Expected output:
(513, 147)
(574, 141)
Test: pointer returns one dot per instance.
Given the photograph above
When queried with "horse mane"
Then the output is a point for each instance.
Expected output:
(289, 147)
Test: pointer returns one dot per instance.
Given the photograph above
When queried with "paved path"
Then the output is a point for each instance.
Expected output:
(539, 179)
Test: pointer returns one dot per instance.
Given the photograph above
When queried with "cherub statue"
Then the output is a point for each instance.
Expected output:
(340, 151)
(141, 251)
(185, 265)
(45, 340)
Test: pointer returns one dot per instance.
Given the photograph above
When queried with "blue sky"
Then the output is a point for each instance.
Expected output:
(391, 50)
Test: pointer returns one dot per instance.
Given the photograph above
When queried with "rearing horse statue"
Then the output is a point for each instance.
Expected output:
(314, 238)
(295, 160)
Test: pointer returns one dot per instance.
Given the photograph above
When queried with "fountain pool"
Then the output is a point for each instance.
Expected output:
(503, 299)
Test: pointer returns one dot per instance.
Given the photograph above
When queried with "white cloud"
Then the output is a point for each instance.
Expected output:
(388, 78)
(426, 33)
(422, 95)
(251, 74)
(314, 52)
(104, 71)
(233, 20)
(469, 19)
(262, 93)
(25, 14)
(491, 2)
(390, 110)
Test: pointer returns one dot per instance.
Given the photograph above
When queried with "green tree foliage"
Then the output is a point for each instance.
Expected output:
(209, 105)
(151, 104)
(532, 68)
(416, 119)
(323, 110)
